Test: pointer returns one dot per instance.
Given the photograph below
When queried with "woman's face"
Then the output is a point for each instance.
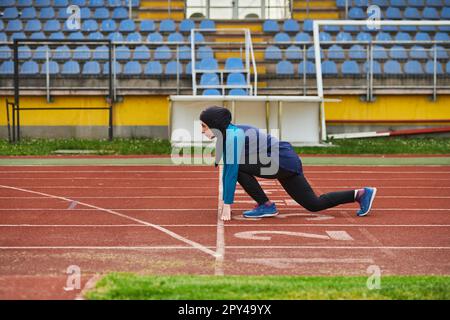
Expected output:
(207, 131)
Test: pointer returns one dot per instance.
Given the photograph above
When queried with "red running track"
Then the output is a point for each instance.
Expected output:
(163, 220)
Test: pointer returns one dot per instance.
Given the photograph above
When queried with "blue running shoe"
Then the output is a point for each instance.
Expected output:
(262, 211)
(366, 201)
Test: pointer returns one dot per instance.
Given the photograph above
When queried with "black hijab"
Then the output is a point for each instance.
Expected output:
(217, 118)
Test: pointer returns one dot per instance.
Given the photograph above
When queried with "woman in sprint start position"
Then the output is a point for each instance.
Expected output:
(248, 152)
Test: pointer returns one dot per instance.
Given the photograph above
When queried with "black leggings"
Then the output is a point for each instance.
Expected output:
(295, 185)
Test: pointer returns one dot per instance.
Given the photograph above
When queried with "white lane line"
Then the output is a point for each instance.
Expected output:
(339, 247)
(164, 230)
(211, 171)
(209, 188)
(273, 196)
(209, 209)
(229, 225)
(220, 238)
(209, 178)
(281, 263)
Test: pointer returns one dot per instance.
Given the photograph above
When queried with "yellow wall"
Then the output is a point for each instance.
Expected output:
(389, 107)
(153, 110)
(133, 111)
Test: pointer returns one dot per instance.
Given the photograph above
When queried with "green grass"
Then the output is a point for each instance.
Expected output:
(138, 287)
(150, 146)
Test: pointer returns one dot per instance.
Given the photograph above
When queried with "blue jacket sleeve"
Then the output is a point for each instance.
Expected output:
(233, 149)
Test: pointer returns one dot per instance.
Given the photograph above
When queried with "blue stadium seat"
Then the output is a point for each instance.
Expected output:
(359, 3)
(132, 68)
(76, 36)
(141, 52)
(172, 67)
(356, 13)
(91, 68)
(155, 37)
(302, 37)
(235, 64)
(350, 68)
(57, 36)
(163, 53)
(189, 68)
(329, 68)
(95, 36)
(167, 25)
(123, 53)
(208, 64)
(101, 14)
(383, 36)
(351, 28)
(175, 37)
(33, 26)
(335, 52)
(376, 68)
(363, 36)
(441, 36)
(271, 26)
(85, 13)
(445, 13)
(282, 37)
(10, 13)
(82, 53)
(62, 53)
(392, 67)
(209, 79)
(70, 68)
(398, 53)
(293, 53)
(7, 67)
(441, 53)
(52, 26)
(430, 14)
(80, 3)
(115, 37)
(37, 36)
(284, 68)
(28, 13)
(89, 26)
(127, 26)
(63, 14)
(380, 3)
(429, 67)
(198, 38)
(100, 53)
(403, 36)
(325, 36)
(114, 3)
(308, 25)
(344, 36)
(5, 53)
(47, 13)
(237, 79)
(53, 67)
(61, 3)
(96, 3)
(413, 67)
(186, 25)
(393, 13)
(29, 68)
(399, 3)
(418, 52)
(447, 68)
(379, 53)
(153, 68)
(331, 29)
(205, 52)
(42, 3)
(237, 92)
(310, 68)
(24, 53)
(14, 26)
(119, 14)
(2, 26)
(357, 52)
(310, 54)
(147, 26)
(422, 36)
(411, 13)
(108, 25)
(184, 53)
(211, 92)
(207, 24)
(134, 37)
(416, 3)
(272, 53)
(41, 52)
(291, 25)
(117, 68)
(18, 35)
(3, 37)
(18, 3)
(434, 3)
